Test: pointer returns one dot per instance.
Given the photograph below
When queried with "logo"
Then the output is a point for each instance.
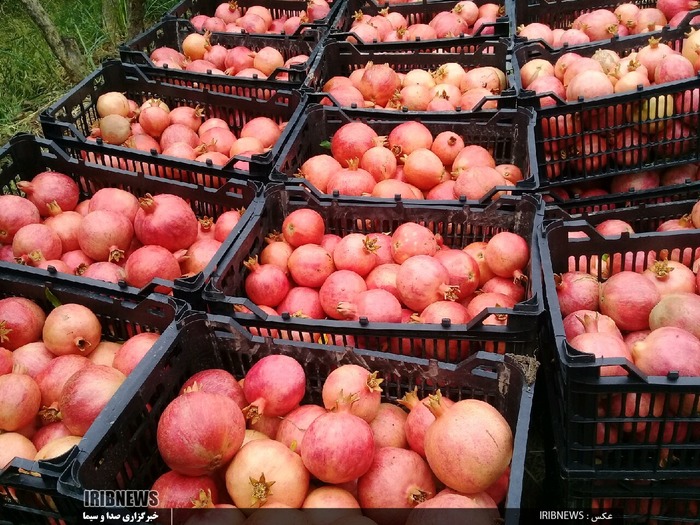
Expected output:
(120, 498)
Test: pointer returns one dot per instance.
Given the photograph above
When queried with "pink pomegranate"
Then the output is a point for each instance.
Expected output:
(439, 347)
(303, 226)
(422, 280)
(338, 446)
(85, 394)
(105, 235)
(51, 187)
(21, 322)
(225, 223)
(116, 200)
(104, 271)
(150, 262)
(128, 356)
(411, 239)
(351, 141)
(55, 374)
(340, 286)
(273, 386)
(36, 242)
(266, 284)
(397, 479)
(310, 265)
(354, 379)
(20, 400)
(462, 269)
(179, 491)
(377, 305)
(576, 291)
(582, 321)
(15, 212)
(603, 345)
(628, 298)
(419, 418)
(671, 277)
(302, 301)
(388, 427)
(216, 381)
(507, 254)
(668, 349)
(294, 425)
(165, 220)
(505, 286)
(356, 252)
(466, 457)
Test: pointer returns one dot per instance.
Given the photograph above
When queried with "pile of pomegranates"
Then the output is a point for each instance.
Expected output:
(111, 236)
(602, 24)
(255, 446)
(200, 56)
(57, 373)
(408, 276)
(646, 310)
(449, 86)
(229, 17)
(182, 132)
(464, 19)
(635, 182)
(410, 161)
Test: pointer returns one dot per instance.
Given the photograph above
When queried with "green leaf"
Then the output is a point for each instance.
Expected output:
(52, 298)
(326, 144)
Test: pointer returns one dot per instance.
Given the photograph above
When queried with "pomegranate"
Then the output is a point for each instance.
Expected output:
(302, 301)
(225, 224)
(28, 359)
(71, 329)
(303, 226)
(412, 239)
(104, 235)
(354, 379)
(680, 310)
(447, 146)
(51, 187)
(104, 271)
(409, 136)
(628, 298)
(613, 227)
(422, 280)
(336, 503)
(15, 212)
(20, 399)
(603, 345)
(165, 220)
(55, 374)
(273, 386)
(176, 490)
(671, 277)
(458, 452)
(216, 381)
(277, 253)
(151, 262)
(293, 426)
(57, 447)
(14, 445)
(462, 269)
(439, 509)
(324, 456)
(397, 479)
(85, 394)
(436, 313)
(104, 353)
(388, 427)
(505, 286)
(378, 84)
(375, 305)
(6, 363)
(132, 351)
(310, 265)
(340, 286)
(198, 256)
(21, 322)
(668, 349)
(419, 418)
(36, 242)
(507, 254)
(581, 321)
(317, 170)
(195, 450)
(383, 277)
(266, 472)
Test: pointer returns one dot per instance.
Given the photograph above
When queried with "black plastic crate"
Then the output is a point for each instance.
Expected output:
(509, 134)
(458, 224)
(561, 159)
(417, 12)
(278, 8)
(26, 156)
(171, 32)
(28, 489)
(643, 217)
(107, 462)
(577, 389)
(68, 122)
(342, 58)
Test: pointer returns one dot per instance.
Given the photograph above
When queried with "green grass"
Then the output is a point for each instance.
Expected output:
(30, 76)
